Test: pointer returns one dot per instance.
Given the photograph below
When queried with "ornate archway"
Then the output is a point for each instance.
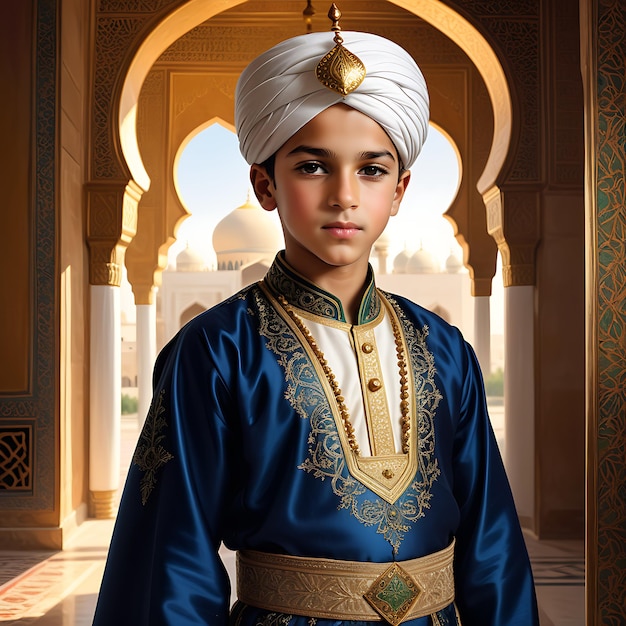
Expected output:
(521, 176)
(173, 104)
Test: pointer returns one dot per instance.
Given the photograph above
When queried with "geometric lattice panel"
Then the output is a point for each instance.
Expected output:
(16, 458)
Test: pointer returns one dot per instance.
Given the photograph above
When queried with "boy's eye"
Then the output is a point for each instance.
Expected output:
(373, 170)
(311, 168)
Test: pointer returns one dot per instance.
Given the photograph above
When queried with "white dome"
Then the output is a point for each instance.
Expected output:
(453, 264)
(189, 261)
(422, 262)
(246, 235)
(400, 262)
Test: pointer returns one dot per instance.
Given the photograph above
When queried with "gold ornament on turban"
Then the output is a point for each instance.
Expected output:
(339, 70)
(285, 87)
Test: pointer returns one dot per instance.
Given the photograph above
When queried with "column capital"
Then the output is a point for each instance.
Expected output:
(513, 220)
(481, 287)
(105, 263)
(111, 226)
(144, 293)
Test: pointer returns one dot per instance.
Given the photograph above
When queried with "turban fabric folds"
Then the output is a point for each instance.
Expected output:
(278, 93)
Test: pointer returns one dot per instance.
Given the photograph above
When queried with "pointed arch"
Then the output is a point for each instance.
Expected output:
(176, 24)
(442, 17)
(178, 152)
(478, 49)
(190, 312)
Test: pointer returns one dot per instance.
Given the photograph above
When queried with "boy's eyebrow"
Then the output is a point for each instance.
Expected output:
(319, 152)
(324, 153)
(378, 155)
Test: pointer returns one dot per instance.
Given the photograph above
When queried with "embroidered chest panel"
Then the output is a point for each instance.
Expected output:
(393, 513)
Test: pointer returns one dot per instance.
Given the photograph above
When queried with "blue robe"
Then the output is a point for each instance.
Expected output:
(240, 446)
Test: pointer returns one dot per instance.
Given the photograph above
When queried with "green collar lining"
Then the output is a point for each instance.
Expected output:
(300, 292)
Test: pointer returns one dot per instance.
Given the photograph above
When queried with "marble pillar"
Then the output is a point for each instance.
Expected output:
(105, 400)
(519, 397)
(482, 333)
(146, 355)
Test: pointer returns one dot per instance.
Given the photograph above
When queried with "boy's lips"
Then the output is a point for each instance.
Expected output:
(342, 229)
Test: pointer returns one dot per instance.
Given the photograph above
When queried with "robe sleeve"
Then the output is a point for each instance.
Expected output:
(163, 565)
(494, 583)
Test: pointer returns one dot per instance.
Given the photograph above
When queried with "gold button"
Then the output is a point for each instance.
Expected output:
(388, 474)
(367, 348)
(374, 384)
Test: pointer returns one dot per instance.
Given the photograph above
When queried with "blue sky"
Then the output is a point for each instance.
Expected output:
(213, 180)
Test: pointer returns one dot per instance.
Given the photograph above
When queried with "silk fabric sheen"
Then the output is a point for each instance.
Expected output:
(234, 450)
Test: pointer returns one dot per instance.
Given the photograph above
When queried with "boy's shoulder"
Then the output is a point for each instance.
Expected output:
(221, 317)
(228, 308)
(226, 319)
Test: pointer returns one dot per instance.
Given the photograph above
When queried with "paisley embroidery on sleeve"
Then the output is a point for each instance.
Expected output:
(150, 455)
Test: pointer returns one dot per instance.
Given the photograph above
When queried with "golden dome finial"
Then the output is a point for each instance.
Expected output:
(339, 70)
(307, 14)
(334, 15)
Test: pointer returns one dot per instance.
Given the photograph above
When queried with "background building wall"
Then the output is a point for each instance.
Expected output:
(604, 67)
(29, 332)
(73, 268)
(37, 229)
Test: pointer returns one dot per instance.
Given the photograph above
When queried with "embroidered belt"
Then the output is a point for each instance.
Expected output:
(346, 590)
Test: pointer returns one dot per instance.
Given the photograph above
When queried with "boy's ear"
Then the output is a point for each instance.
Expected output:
(263, 186)
(403, 183)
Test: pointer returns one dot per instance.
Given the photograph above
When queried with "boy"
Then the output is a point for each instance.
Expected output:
(334, 435)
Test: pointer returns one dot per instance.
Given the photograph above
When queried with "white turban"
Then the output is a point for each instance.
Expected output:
(278, 93)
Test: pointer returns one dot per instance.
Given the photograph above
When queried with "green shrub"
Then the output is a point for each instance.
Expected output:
(129, 404)
(494, 383)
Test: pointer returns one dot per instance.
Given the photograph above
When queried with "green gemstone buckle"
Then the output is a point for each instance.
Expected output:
(393, 594)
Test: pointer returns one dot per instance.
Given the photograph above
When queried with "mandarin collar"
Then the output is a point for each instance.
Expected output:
(283, 280)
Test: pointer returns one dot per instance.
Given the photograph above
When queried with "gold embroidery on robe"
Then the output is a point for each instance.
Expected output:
(387, 473)
(274, 619)
(439, 619)
(150, 455)
(327, 459)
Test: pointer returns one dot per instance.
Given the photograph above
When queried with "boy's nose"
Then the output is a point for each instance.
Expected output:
(345, 192)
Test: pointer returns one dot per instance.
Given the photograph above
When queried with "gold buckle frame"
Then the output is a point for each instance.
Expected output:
(393, 594)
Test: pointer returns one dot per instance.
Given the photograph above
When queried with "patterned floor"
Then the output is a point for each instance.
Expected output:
(60, 588)
(559, 570)
(566, 571)
(14, 564)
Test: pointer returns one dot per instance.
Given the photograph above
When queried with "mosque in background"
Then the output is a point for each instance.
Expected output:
(245, 243)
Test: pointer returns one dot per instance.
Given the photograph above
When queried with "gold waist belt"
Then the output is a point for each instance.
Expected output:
(346, 590)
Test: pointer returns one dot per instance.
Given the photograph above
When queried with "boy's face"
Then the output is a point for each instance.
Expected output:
(336, 183)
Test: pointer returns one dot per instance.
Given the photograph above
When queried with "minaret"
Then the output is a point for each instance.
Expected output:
(381, 251)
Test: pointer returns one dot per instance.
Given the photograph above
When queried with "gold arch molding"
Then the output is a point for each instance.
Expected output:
(174, 26)
(440, 16)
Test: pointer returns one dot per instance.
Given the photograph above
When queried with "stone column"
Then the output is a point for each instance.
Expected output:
(519, 395)
(513, 221)
(482, 333)
(105, 382)
(381, 251)
(111, 224)
(146, 355)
